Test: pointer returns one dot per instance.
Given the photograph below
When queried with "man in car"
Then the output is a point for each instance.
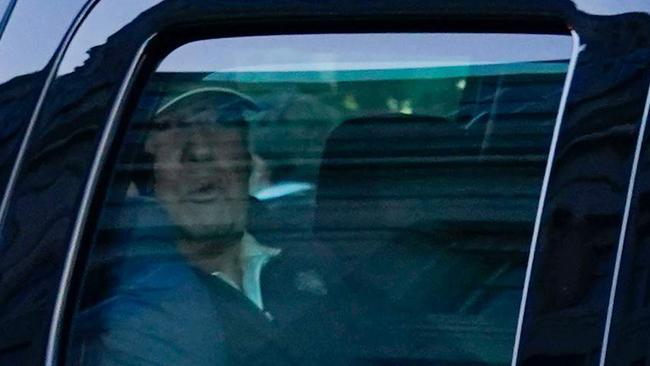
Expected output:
(213, 293)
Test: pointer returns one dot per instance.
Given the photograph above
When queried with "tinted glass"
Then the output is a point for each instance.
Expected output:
(324, 199)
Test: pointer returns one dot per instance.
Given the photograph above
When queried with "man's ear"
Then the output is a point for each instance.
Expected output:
(258, 173)
(150, 144)
(144, 179)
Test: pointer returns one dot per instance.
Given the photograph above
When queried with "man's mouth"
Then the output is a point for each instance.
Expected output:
(204, 192)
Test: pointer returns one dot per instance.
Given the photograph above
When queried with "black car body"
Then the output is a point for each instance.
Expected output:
(587, 292)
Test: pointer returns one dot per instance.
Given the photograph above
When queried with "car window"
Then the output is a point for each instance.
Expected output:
(324, 199)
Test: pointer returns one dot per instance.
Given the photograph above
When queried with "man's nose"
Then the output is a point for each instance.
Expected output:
(198, 150)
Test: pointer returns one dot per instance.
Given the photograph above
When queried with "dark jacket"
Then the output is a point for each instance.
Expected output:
(159, 310)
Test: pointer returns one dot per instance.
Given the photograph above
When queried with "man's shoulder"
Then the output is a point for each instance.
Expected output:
(157, 311)
(139, 286)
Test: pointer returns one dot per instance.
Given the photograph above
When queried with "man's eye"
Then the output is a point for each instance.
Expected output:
(161, 126)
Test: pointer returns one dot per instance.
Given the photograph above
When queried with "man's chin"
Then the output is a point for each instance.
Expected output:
(224, 234)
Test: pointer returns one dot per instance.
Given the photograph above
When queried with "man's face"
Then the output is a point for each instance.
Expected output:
(201, 176)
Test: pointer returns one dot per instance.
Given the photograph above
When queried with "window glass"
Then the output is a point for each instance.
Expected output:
(324, 199)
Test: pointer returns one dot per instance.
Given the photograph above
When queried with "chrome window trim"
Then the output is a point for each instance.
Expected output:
(11, 183)
(623, 232)
(84, 207)
(577, 48)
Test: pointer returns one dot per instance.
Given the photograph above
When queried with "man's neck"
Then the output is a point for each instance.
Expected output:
(210, 257)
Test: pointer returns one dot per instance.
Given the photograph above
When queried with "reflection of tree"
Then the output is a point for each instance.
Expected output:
(17, 99)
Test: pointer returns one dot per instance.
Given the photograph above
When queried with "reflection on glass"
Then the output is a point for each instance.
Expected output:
(325, 199)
